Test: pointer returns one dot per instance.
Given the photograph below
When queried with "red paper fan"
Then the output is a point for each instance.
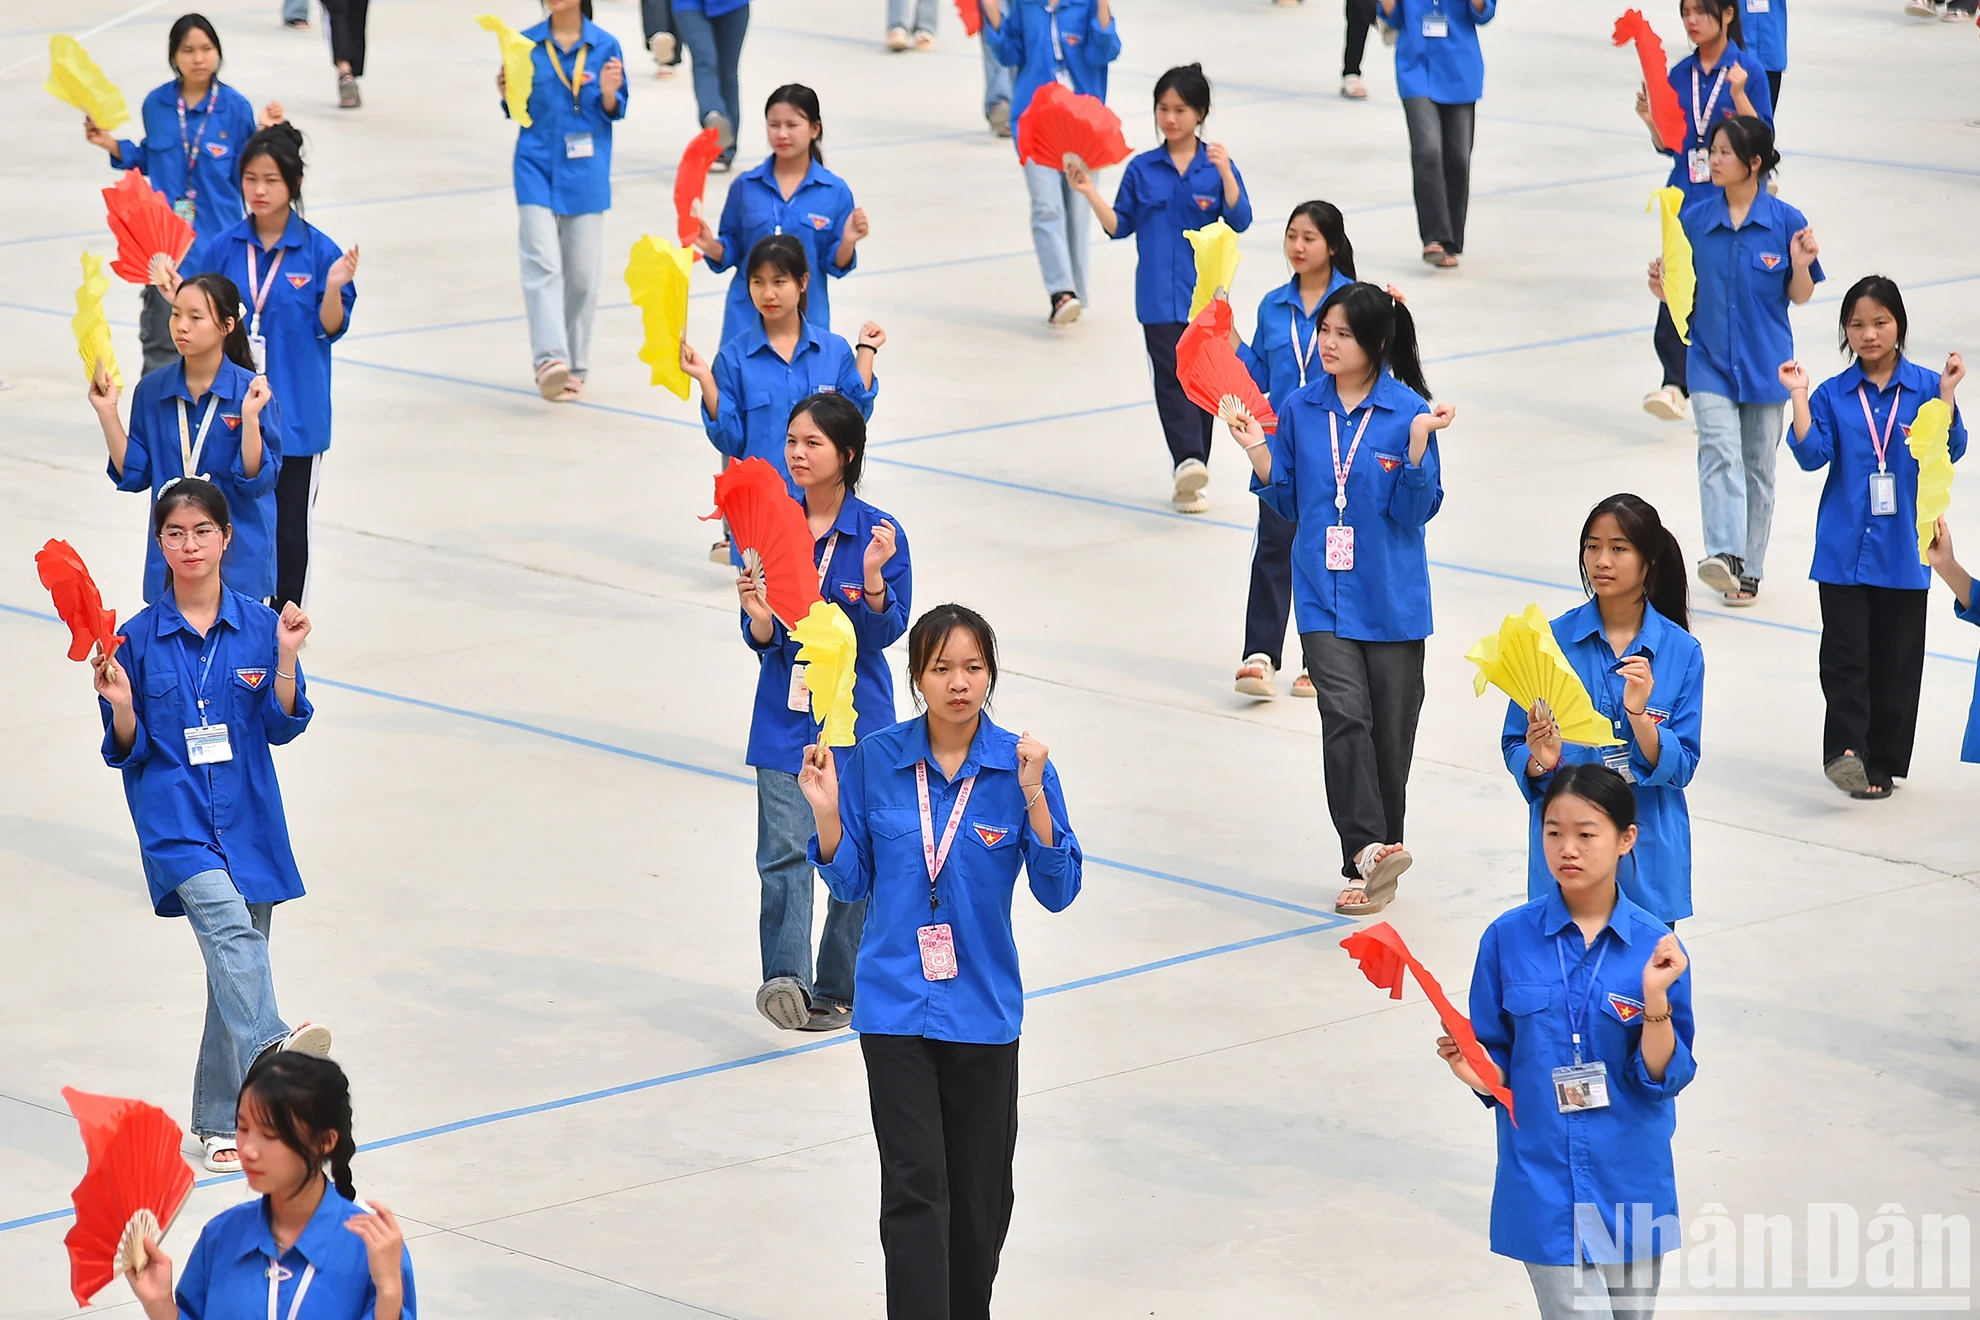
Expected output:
(1060, 122)
(691, 180)
(971, 14)
(1384, 958)
(763, 517)
(134, 1168)
(1664, 107)
(1208, 369)
(145, 225)
(77, 600)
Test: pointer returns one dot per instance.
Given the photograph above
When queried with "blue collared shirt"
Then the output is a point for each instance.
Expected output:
(291, 319)
(1685, 75)
(217, 817)
(226, 1277)
(1969, 749)
(778, 735)
(1450, 70)
(1385, 597)
(1764, 23)
(815, 215)
(1042, 43)
(1657, 874)
(1285, 338)
(546, 173)
(215, 175)
(758, 389)
(1739, 317)
(153, 458)
(1853, 547)
(1157, 205)
(1595, 1159)
(880, 858)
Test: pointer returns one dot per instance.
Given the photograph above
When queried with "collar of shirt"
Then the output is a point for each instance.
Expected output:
(1389, 393)
(230, 383)
(323, 1241)
(1907, 375)
(1767, 212)
(590, 35)
(167, 95)
(992, 748)
(1555, 918)
(171, 621)
(1162, 152)
(1587, 623)
(846, 524)
(294, 234)
(755, 339)
(766, 174)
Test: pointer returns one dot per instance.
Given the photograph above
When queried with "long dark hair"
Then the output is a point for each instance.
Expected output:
(1727, 12)
(805, 101)
(840, 420)
(786, 253)
(1664, 579)
(1880, 289)
(933, 628)
(1384, 329)
(302, 1098)
(281, 143)
(224, 296)
(187, 23)
(1597, 785)
(1327, 218)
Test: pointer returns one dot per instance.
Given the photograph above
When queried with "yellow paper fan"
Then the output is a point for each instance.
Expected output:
(1680, 282)
(1524, 661)
(827, 646)
(1929, 440)
(657, 276)
(517, 65)
(75, 78)
(1216, 262)
(91, 326)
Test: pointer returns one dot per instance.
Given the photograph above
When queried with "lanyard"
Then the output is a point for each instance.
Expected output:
(190, 449)
(575, 83)
(1058, 48)
(1312, 345)
(825, 560)
(1881, 446)
(1700, 120)
(1575, 1020)
(937, 859)
(257, 286)
(198, 674)
(1341, 469)
(192, 146)
(275, 1276)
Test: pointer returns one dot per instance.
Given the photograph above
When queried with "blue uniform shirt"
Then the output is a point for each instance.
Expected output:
(758, 389)
(1450, 70)
(1385, 597)
(1657, 874)
(1042, 43)
(1764, 22)
(1969, 749)
(1853, 547)
(212, 141)
(880, 858)
(220, 817)
(1595, 1159)
(547, 174)
(1685, 75)
(226, 1277)
(778, 735)
(291, 319)
(1286, 336)
(815, 215)
(1739, 318)
(1157, 205)
(153, 458)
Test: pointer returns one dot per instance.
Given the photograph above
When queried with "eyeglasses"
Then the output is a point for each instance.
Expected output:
(175, 538)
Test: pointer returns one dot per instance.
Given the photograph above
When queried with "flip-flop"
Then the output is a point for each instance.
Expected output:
(783, 1001)
(1847, 773)
(1871, 793)
(1379, 884)
(214, 1145)
(830, 1018)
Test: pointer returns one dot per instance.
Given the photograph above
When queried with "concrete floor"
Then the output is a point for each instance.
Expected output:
(527, 828)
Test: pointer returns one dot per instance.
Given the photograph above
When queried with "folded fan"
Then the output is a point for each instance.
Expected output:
(136, 1182)
(1208, 369)
(145, 226)
(827, 647)
(1680, 280)
(1524, 661)
(518, 68)
(91, 325)
(77, 600)
(1216, 262)
(1930, 442)
(971, 14)
(691, 181)
(75, 78)
(1664, 107)
(1384, 958)
(763, 517)
(657, 277)
(1060, 123)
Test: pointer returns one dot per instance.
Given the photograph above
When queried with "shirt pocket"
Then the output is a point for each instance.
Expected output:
(1767, 262)
(164, 709)
(1525, 998)
(990, 835)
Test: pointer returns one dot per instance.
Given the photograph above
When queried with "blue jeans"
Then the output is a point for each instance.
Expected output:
(924, 12)
(291, 11)
(783, 831)
(561, 257)
(241, 1020)
(715, 49)
(998, 79)
(1597, 1292)
(1737, 446)
(1058, 229)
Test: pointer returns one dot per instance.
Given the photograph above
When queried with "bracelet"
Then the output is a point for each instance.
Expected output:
(1665, 1017)
(1032, 801)
(1628, 711)
(869, 591)
(871, 348)
(280, 674)
(1248, 448)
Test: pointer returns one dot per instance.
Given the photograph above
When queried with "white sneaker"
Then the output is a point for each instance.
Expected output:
(1353, 88)
(1065, 308)
(662, 46)
(1666, 403)
(1257, 677)
(1191, 479)
(1921, 8)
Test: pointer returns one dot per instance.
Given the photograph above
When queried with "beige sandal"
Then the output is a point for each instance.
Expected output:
(551, 378)
(1378, 879)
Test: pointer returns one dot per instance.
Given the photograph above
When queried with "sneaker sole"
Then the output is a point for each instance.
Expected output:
(782, 1002)
(1663, 409)
(1257, 687)
(1847, 773)
(310, 1038)
(1067, 314)
(1714, 574)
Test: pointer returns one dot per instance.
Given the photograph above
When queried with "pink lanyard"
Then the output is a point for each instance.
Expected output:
(1881, 446)
(937, 859)
(1701, 121)
(1341, 469)
(825, 560)
(257, 286)
(192, 147)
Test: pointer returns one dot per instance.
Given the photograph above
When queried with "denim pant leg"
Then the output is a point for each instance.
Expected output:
(241, 1017)
(921, 20)
(542, 252)
(1721, 474)
(581, 245)
(1051, 226)
(729, 31)
(783, 830)
(838, 952)
(699, 37)
(1270, 601)
(291, 11)
(998, 79)
(1760, 428)
(1578, 1292)
(1426, 163)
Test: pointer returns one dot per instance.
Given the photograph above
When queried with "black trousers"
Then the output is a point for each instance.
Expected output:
(1360, 17)
(658, 16)
(155, 329)
(1873, 662)
(945, 1119)
(1774, 86)
(1185, 426)
(1370, 695)
(1670, 350)
(1440, 165)
(295, 504)
(1270, 601)
(346, 20)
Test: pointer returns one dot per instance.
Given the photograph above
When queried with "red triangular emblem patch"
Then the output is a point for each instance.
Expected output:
(852, 590)
(252, 678)
(990, 835)
(1388, 464)
(1627, 1010)
(233, 423)
(297, 281)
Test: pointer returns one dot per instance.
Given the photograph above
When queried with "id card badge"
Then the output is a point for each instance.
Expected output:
(258, 350)
(1617, 759)
(577, 146)
(800, 698)
(1582, 1086)
(938, 956)
(1701, 164)
(1436, 25)
(1883, 494)
(185, 209)
(206, 744)
(1757, 6)
(1340, 548)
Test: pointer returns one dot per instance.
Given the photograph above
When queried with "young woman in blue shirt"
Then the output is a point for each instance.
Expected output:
(306, 1234)
(928, 823)
(1965, 606)
(1284, 350)
(864, 569)
(1583, 1001)
(1630, 646)
(203, 687)
(1354, 465)
(1874, 590)
(563, 178)
(1184, 184)
(1440, 74)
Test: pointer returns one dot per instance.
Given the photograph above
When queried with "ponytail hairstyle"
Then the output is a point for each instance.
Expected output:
(302, 1099)
(840, 420)
(1384, 329)
(282, 144)
(188, 23)
(1726, 11)
(1598, 786)
(1188, 82)
(805, 101)
(1327, 218)
(224, 297)
(1879, 289)
(1748, 138)
(931, 631)
(785, 253)
(1664, 579)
